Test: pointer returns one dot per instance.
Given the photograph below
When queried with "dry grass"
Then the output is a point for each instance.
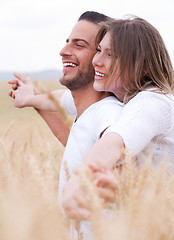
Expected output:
(29, 171)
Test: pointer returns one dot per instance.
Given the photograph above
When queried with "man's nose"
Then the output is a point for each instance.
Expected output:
(66, 51)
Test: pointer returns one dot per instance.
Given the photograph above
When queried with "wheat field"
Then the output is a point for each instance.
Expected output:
(30, 159)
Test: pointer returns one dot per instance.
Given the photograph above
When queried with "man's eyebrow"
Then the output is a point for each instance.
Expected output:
(80, 39)
(77, 40)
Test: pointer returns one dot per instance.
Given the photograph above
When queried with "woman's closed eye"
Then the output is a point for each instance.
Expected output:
(98, 49)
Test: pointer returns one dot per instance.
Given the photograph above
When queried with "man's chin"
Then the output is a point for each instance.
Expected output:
(64, 79)
(78, 80)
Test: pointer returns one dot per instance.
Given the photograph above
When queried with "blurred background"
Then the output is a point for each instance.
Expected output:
(32, 32)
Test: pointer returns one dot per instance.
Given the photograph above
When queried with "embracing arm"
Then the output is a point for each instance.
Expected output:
(147, 115)
(106, 151)
(101, 159)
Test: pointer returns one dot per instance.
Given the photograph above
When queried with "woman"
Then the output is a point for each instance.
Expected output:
(133, 63)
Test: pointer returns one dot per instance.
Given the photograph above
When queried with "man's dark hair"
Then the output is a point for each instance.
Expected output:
(93, 17)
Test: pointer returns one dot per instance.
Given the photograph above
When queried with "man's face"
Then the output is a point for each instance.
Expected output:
(77, 56)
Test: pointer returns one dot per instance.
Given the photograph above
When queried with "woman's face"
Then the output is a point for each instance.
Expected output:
(102, 64)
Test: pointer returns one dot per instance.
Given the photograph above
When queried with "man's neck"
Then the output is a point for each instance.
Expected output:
(83, 98)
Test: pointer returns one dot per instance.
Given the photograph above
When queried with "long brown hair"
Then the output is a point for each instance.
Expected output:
(139, 51)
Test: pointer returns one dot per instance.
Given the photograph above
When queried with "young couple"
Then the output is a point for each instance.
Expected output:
(132, 63)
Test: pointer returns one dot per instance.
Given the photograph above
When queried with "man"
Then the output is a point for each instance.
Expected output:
(80, 75)
(95, 111)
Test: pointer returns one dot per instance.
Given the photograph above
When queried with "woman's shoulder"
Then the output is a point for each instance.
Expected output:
(154, 94)
(151, 101)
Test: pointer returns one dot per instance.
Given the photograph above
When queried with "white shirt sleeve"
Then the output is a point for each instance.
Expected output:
(145, 116)
(67, 102)
(106, 114)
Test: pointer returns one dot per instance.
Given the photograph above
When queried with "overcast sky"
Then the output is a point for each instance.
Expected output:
(32, 32)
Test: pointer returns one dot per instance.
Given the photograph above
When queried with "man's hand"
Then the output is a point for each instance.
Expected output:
(106, 183)
(75, 201)
(23, 95)
(22, 90)
(15, 84)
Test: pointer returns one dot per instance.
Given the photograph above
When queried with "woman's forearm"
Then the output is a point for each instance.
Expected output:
(106, 151)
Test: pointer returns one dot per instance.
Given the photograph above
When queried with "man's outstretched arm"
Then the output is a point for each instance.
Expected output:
(56, 124)
(53, 119)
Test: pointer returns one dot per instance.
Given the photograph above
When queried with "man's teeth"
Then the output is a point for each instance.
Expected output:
(99, 74)
(69, 65)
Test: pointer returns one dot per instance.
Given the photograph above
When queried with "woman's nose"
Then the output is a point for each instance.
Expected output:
(97, 60)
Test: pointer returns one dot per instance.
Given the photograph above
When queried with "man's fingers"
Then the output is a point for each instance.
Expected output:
(82, 201)
(20, 83)
(95, 168)
(23, 79)
(14, 86)
(10, 93)
(13, 95)
(13, 82)
(106, 194)
(80, 214)
(107, 180)
(19, 76)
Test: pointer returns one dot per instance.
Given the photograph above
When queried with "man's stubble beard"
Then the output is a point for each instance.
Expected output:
(81, 79)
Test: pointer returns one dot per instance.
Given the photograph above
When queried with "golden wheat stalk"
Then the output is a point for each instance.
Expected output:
(61, 110)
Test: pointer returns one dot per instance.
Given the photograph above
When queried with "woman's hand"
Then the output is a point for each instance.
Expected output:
(74, 200)
(75, 197)
(106, 183)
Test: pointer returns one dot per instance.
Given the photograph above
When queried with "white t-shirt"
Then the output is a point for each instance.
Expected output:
(147, 125)
(67, 102)
(86, 130)
(84, 133)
